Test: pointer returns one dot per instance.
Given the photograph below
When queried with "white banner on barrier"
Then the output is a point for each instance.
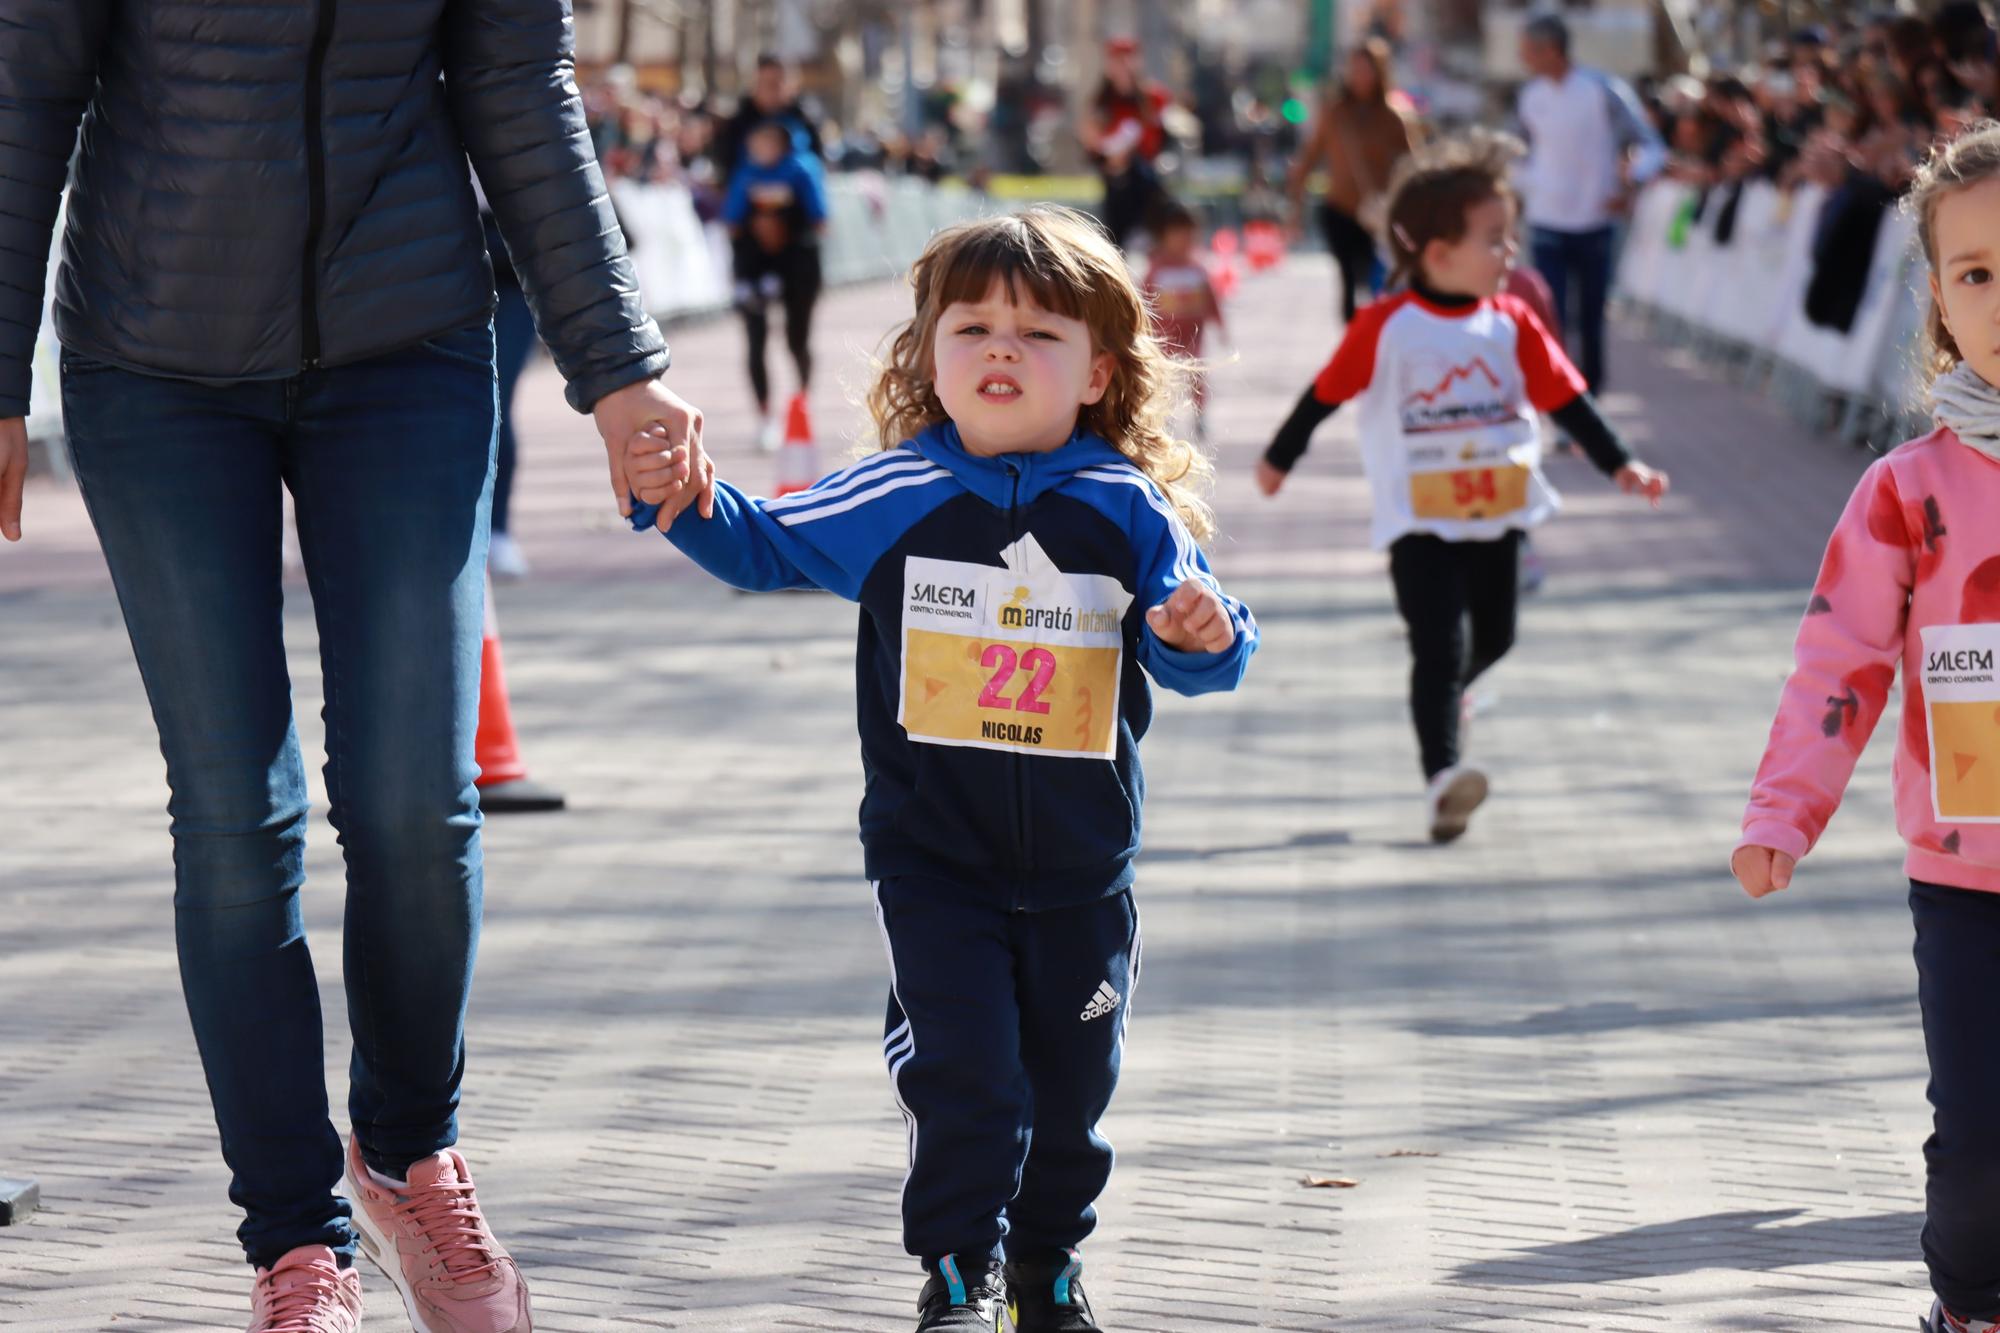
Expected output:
(1750, 293)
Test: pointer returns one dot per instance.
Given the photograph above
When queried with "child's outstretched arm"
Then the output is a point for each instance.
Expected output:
(1294, 435)
(1557, 387)
(1846, 655)
(1346, 376)
(828, 537)
(1600, 443)
(1198, 639)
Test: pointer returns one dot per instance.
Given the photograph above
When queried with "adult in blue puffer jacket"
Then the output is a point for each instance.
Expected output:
(274, 278)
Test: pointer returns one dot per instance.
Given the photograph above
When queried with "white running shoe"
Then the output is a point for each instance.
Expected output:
(1453, 795)
(505, 559)
(1944, 1321)
(769, 435)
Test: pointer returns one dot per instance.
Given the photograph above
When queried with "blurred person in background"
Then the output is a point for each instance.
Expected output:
(1183, 299)
(776, 210)
(1588, 146)
(514, 342)
(1357, 138)
(1124, 131)
(773, 96)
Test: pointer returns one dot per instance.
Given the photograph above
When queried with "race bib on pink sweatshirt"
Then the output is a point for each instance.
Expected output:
(1962, 695)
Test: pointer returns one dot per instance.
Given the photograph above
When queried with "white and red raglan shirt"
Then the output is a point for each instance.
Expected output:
(1449, 397)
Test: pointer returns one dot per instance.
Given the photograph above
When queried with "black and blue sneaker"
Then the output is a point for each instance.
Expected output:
(971, 1299)
(1048, 1297)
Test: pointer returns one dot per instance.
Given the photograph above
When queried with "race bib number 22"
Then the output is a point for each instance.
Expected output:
(1019, 657)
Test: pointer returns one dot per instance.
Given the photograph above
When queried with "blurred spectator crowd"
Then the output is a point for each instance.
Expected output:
(642, 136)
(1849, 109)
(1864, 98)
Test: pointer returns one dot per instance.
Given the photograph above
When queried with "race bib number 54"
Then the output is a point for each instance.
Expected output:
(1019, 657)
(1962, 700)
(1474, 481)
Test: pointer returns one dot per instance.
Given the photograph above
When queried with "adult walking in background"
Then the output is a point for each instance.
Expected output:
(776, 211)
(274, 277)
(774, 95)
(774, 203)
(1357, 137)
(1589, 144)
(1124, 131)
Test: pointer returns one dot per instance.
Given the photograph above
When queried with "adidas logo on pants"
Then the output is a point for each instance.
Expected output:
(1101, 1003)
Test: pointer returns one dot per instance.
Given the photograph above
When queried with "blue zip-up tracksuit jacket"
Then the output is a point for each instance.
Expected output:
(796, 172)
(1003, 600)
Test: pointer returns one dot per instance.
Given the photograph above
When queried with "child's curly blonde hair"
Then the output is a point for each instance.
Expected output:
(1972, 157)
(1063, 261)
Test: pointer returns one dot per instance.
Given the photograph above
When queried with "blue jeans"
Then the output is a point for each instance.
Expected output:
(1584, 256)
(390, 466)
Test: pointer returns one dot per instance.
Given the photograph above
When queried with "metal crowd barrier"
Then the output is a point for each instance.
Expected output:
(1741, 306)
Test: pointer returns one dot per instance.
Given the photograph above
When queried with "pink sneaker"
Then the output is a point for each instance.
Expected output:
(307, 1291)
(429, 1238)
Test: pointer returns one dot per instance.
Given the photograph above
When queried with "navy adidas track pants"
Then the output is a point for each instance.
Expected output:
(1004, 1036)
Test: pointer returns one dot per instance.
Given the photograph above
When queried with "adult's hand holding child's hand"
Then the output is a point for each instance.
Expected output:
(650, 407)
(660, 473)
(1193, 620)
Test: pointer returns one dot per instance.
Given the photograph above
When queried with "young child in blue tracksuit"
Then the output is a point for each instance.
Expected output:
(1021, 551)
(775, 209)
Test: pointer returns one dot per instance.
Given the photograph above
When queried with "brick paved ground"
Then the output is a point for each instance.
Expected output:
(1582, 1083)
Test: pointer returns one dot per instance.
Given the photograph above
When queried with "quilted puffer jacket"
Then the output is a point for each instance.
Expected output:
(264, 187)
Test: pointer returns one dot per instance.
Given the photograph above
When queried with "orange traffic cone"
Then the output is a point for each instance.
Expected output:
(1275, 243)
(504, 785)
(1263, 245)
(798, 459)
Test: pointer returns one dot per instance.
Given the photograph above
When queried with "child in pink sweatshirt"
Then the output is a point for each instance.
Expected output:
(1912, 574)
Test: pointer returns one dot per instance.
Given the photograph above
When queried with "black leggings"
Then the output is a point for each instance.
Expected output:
(796, 274)
(1130, 196)
(1353, 249)
(1442, 588)
(1957, 949)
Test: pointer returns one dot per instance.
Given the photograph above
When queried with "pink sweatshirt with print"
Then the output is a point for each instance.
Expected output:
(1912, 574)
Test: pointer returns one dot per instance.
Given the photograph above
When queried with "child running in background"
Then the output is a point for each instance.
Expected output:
(1912, 574)
(1022, 546)
(776, 210)
(1183, 298)
(1450, 374)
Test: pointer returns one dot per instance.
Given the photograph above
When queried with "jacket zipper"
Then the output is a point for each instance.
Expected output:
(1020, 767)
(315, 185)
